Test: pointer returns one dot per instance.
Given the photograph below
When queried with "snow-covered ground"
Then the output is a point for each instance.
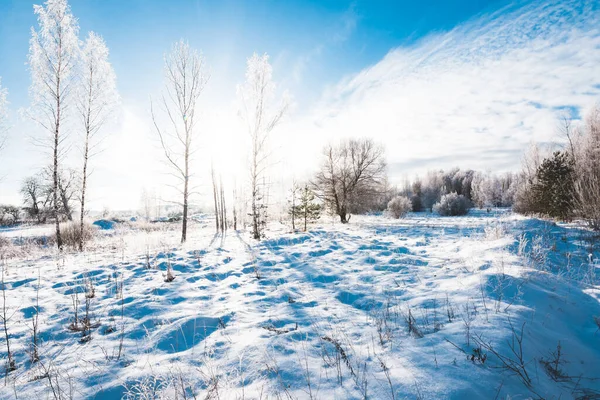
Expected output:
(480, 307)
(26, 231)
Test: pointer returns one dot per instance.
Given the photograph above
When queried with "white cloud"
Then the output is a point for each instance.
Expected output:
(474, 96)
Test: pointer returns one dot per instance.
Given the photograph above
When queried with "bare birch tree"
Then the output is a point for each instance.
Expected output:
(219, 202)
(216, 199)
(261, 116)
(96, 99)
(53, 55)
(186, 77)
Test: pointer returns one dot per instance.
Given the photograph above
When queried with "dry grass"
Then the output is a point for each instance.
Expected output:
(71, 234)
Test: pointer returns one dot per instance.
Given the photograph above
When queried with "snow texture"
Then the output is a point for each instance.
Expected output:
(424, 307)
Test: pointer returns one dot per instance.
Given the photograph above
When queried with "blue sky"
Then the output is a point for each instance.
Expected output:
(329, 38)
(440, 83)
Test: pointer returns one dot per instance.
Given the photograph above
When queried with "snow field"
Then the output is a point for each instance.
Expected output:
(424, 307)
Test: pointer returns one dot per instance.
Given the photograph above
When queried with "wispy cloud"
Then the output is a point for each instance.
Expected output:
(490, 85)
(347, 24)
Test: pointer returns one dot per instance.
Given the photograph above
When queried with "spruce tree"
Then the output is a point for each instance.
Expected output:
(304, 207)
(309, 210)
(554, 189)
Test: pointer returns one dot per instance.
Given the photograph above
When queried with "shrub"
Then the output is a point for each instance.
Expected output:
(525, 201)
(9, 215)
(399, 206)
(452, 204)
(146, 226)
(71, 233)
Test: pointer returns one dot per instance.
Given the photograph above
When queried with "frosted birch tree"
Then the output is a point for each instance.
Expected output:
(486, 191)
(261, 115)
(186, 76)
(96, 99)
(53, 56)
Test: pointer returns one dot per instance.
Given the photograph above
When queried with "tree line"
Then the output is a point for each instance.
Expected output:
(565, 184)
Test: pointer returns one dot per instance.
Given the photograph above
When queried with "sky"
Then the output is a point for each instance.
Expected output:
(438, 83)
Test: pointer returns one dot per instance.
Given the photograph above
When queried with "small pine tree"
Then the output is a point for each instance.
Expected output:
(304, 208)
(554, 189)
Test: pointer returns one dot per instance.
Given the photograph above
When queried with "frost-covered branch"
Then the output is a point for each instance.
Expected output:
(53, 58)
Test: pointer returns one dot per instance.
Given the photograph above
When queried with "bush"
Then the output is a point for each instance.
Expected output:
(452, 204)
(525, 201)
(71, 233)
(9, 215)
(399, 206)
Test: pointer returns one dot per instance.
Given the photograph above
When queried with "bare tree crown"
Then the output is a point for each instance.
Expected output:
(350, 173)
(185, 79)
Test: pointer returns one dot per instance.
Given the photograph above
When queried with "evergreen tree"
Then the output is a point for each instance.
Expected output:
(554, 190)
(304, 208)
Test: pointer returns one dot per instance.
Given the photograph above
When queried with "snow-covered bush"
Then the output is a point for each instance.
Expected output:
(427, 192)
(494, 232)
(145, 226)
(149, 387)
(399, 206)
(9, 215)
(452, 204)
